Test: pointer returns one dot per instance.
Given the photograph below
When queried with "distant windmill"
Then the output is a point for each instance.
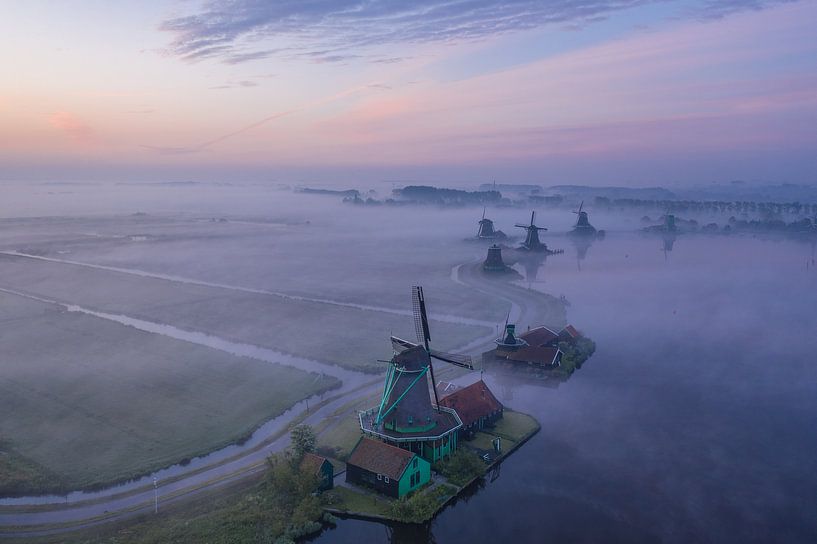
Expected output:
(486, 229)
(493, 262)
(532, 242)
(583, 225)
(509, 340)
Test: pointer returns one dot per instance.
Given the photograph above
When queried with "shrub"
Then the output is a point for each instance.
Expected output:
(417, 508)
(574, 354)
(462, 467)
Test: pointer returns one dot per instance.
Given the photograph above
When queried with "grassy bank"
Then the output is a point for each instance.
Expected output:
(275, 506)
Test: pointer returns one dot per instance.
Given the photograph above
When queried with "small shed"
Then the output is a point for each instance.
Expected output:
(320, 467)
(476, 405)
(387, 469)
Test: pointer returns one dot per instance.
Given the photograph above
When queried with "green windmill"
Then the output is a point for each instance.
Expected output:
(406, 417)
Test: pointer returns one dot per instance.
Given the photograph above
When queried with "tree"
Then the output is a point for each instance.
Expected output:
(303, 440)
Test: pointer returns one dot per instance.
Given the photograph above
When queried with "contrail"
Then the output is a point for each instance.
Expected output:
(304, 107)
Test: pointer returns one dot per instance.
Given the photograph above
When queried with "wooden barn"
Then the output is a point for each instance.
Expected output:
(543, 357)
(540, 337)
(387, 469)
(320, 467)
(476, 405)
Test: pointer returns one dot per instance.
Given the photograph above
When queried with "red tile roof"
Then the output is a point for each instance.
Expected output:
(571, 331)
(312, 462)
(539, 336)
(380, 458)
(542, 356)
(472, 402)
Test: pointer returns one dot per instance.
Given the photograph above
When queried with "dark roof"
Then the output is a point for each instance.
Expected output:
(539, 336)
(530, 354)
(444, 423)
(380, 458)
(472, 402)
(571, 331)
(312, 462)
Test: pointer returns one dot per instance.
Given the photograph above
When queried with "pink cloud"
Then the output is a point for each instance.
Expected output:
(691, 87)
(70, 124)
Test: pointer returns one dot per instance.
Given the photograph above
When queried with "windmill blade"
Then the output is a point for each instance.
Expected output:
(418, 307)
(483, 212)
(522, 226)
(532, 216)
(464, 361)
(581, 206)
(540, 228)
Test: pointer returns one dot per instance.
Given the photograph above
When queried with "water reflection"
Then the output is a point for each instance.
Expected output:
(673, 431)
(581, 244)
(668, 240)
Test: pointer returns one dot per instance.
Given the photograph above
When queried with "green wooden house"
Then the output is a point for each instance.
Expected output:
(387, 469)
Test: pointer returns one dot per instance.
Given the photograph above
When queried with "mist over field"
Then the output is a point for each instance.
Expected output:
(562, 255)
(133, 311)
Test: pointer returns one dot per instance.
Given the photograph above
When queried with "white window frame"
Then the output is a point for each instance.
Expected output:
(386, 479)
(379, 477)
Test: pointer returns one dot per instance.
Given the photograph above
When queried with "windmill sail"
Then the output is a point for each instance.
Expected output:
(418, 307)
(457, 359)
(399, 345)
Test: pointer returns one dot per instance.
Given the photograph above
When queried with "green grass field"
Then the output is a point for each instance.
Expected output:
(17, 472)
(86, 401)
(515, 425)
(349, 337)
(512, 428)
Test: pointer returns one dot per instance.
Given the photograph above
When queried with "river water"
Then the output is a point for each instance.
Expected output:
(696, 419)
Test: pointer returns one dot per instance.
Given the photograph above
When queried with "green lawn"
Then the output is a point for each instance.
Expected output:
(341, 432)
(87, 402)
(515, 426)
(356, 501)
(512, 428)
(482, 440)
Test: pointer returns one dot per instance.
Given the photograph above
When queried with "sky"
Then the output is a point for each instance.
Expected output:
(344, 92)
